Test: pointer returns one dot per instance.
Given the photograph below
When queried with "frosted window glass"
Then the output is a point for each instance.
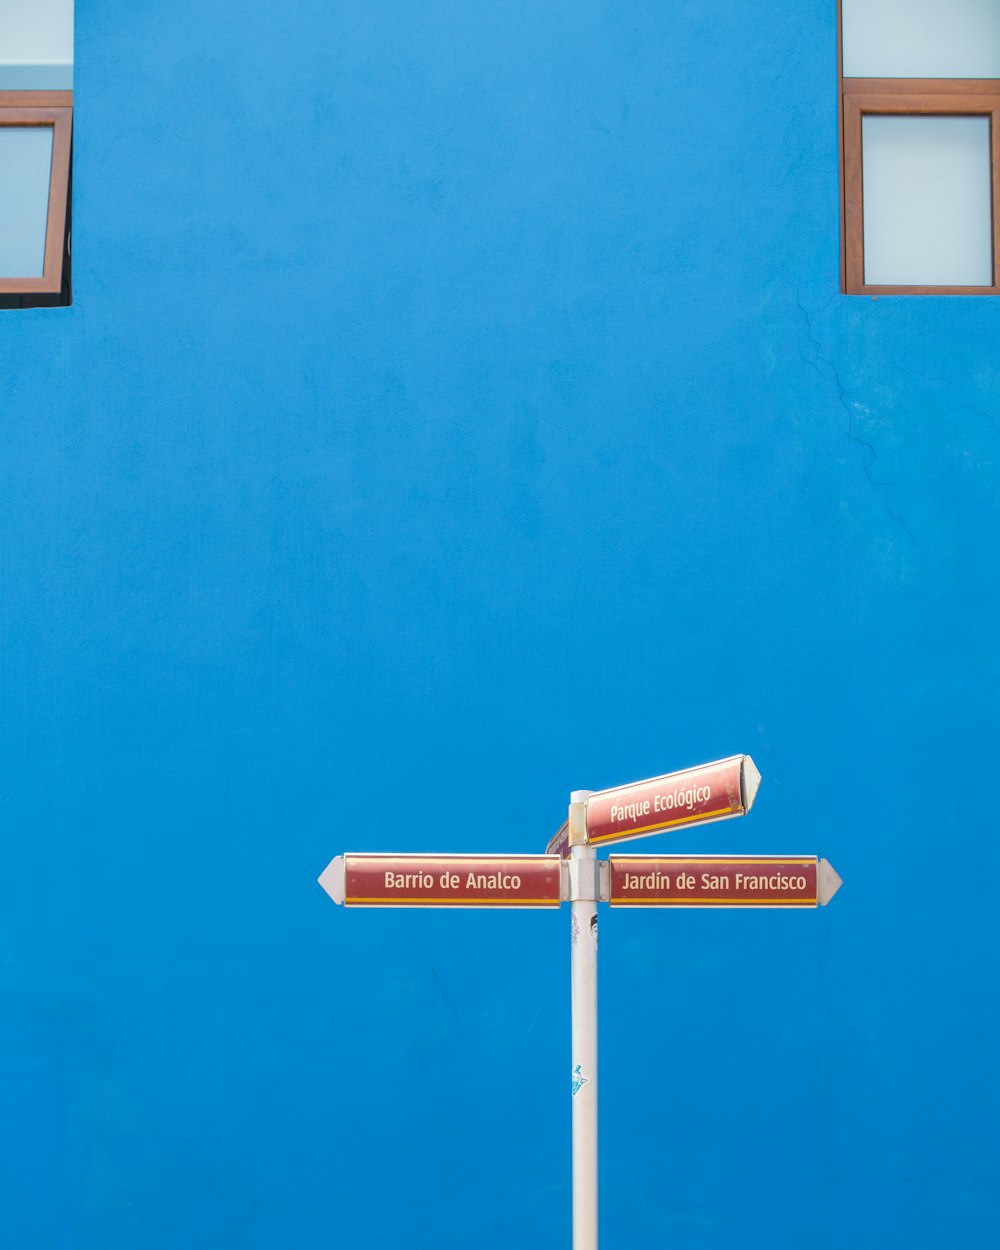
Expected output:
(921, 38)
(927, 201)
(36, 30)
(36, 45)
(25, 162)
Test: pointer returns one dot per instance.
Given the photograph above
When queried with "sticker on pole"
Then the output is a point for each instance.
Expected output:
(721, 881)
(444, 880)
(692, 796)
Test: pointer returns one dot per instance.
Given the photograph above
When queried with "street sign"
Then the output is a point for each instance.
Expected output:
(571, 871)
(559, 842)
(721, 881)
(692, 796)
(444, 880)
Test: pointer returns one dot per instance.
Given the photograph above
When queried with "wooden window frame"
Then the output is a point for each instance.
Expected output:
(905, 97)
(911, 97)
(55, 109)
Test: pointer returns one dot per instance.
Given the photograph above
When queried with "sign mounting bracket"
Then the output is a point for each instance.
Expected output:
(587, 880)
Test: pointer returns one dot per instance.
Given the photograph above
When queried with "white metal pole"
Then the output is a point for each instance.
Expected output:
(583, 960)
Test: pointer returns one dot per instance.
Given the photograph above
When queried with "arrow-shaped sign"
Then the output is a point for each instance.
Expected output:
(721, 881)
(444, 880)
(689, 797)
(542, 881)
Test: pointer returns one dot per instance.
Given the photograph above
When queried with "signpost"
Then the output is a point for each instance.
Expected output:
(570, 872)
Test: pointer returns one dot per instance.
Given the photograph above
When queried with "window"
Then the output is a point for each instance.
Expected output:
(35, 134)
(36, 129)
(920, 141)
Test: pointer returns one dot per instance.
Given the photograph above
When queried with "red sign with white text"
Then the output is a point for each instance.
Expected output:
(693, 796)
(713, 881)
(559, 842)
(452, 880)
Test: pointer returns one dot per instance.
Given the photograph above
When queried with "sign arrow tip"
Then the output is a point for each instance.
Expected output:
(828, 882)
(332, 878)
(751, 781)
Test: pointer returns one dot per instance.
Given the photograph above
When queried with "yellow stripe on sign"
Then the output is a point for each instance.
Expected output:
(458, 902)
(653, 900)
(804, 861)
(448, 858)
(683, 820)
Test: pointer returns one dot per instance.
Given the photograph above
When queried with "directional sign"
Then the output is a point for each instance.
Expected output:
(694, 796)
(444, 880)
(559, 842)
(721, 881)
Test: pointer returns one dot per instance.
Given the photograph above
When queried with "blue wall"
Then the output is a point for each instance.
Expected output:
(458, 403)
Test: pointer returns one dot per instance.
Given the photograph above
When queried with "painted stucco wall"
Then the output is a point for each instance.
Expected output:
(458, 409)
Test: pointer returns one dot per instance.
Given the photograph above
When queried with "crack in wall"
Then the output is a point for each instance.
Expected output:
(979, 412)
(833, 376)
(437, 981)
